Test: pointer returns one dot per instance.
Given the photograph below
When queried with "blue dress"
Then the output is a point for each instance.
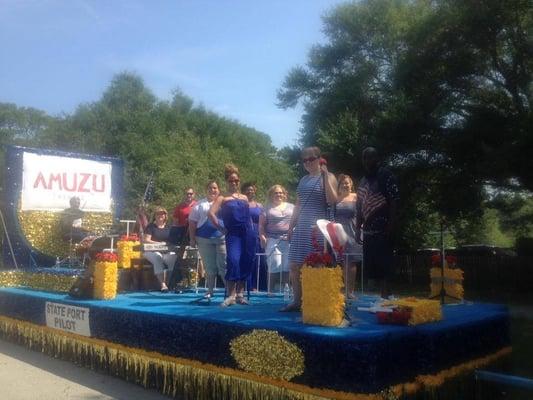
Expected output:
(240, 241)
(312, 207)
(255, 212)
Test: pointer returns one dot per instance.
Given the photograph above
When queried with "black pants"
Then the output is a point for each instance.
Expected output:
(378, 255)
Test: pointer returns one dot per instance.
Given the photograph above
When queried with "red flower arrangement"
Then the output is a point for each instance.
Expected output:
(106, 257)
(131, 238)
(398, 316)
(317, 258)
(450, 260)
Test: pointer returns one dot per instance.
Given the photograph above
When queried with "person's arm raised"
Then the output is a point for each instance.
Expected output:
(330, 185)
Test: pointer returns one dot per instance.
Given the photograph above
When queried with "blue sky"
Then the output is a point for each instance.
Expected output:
(229, 55)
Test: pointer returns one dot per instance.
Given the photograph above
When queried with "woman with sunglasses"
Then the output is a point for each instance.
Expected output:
(273, 228)
(240, 242)
(315, 192)
(158, 232)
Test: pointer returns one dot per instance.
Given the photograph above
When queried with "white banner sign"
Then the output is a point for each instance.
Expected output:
(49, 182)
(68, 318)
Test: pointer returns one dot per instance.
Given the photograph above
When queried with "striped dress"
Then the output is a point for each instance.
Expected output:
(312, 207)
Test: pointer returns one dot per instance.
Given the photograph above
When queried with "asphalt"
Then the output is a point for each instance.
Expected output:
(29, 375)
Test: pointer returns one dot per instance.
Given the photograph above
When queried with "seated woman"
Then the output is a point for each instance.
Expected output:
(158, 232)
(273, 229)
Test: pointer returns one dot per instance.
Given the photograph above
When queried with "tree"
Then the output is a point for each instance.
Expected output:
(442, 88)
(20, 126)
(181, 144)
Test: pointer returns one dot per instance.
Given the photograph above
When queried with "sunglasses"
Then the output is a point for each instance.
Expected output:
(278, 193)
(190, 194)
(234, 180)
(309, 159)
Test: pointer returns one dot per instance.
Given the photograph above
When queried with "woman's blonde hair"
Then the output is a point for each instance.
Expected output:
(230, 169)
(159, 210)
(343, 177)
(273, 188)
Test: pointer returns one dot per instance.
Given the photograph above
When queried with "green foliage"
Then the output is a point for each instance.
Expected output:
(19, 126)
(442, 88)
(181, 144)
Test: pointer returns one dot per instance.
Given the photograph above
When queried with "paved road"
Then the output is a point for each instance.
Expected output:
(28, 375)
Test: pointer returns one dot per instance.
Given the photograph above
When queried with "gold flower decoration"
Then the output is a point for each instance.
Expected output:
(268, 353)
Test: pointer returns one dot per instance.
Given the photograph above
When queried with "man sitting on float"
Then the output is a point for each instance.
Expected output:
(71, 222)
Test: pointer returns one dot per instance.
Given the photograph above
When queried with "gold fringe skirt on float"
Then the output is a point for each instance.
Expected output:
(190, 379)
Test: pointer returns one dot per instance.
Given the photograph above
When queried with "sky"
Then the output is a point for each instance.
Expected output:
(229, 55)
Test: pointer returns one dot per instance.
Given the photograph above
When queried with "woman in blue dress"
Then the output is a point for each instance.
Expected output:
(256, 209)
(313, 192)
(240, 241)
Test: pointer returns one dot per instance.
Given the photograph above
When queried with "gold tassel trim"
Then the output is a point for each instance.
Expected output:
(191, 379)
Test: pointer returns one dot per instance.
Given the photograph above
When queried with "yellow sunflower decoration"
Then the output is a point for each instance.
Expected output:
(125, 250)
(105, 276)
(267, 353)
(323, 302)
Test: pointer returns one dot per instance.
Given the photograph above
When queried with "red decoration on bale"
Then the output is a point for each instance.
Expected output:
(131, 238)
(319, 260)
(399, 316)
(451, 261)
(106, 257)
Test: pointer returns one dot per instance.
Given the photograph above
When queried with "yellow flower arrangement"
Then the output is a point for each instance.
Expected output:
(105, 276)
(422, 310)
(453, 282)
(322, 298)
(125, 251)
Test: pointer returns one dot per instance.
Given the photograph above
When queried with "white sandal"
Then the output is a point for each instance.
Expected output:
(230, 301)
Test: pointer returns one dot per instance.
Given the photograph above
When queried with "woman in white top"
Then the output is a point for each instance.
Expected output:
(210, 240)
(273, 228)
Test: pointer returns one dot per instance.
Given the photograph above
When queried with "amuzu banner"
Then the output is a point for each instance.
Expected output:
(49, 182)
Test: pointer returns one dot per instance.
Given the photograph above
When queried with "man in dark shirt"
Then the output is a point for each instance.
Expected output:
(377, 196)
(71, 222)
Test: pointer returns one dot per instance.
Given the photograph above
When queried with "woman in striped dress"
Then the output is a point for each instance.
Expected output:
(312, 195)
